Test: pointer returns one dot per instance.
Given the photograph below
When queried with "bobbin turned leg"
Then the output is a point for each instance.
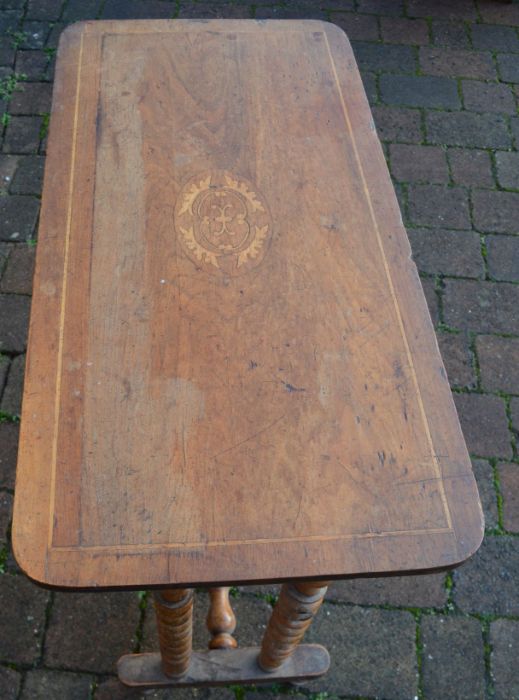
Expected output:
(297, 605)
(221, 621)
(174, 610)
(176, 666)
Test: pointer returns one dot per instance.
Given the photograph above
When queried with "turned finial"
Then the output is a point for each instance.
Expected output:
(221, 621)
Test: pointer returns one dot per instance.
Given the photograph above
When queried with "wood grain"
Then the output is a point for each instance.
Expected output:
(174, 613)
(219, 667)
(232, 374)
(297, 605)
(221, 621)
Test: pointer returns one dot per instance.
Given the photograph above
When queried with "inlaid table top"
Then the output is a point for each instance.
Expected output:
(232, 373)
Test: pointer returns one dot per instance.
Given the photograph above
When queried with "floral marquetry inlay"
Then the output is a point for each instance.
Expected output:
(222, 223)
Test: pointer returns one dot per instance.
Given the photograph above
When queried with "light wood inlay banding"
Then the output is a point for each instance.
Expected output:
(238, 299)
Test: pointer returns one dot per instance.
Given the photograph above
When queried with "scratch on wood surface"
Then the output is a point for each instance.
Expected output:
(362, 484)
(249, 438)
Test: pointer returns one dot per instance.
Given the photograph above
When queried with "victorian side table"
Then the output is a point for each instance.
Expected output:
(232, 374)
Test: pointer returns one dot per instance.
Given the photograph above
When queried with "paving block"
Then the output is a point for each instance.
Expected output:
(14, 5)
(12, 394)
(112, 689)
(488, 97)
(418, 163)
(397, 124)
(10, 681)
(496, 211)
(42, 684)
(419, 91)
(437, 206)
(456, 62)
(49, 10)
(369, 80)
(427, 591)
(484, 424)
(385, 57)
(442, 9)
(8, 165)
(14, 322)
(8, 452)
(372, 652)
(356, 26)
(499, 13)
(470, 167)
(31, 98)
(514, 407)
(458, 360)
(9, 20)
(22, 135)
(453, 658)
(23, 619)
(6, 514)
(29, 175)
(266, 590)
(453, 34)
(483, 307)
(206, 10)
(107, 623)
(54, 35)
(32, 63)
(379, 7)
(81, 9)
(18, 216)
(489, 582)
(4, 370)
(133, 9)
(5, 249)
(17, 276)
(514, 128)
(468, 129)
(504, 641)
(494, 37)
(36, 33)
(507, 164)
(508, 67)
(400, 30)
(431, 296)
(485, 479)
(440, 251)
(499, 363)
(7, 51)
(509, 483)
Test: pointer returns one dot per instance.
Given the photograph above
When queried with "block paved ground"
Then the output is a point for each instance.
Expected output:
(443, 81)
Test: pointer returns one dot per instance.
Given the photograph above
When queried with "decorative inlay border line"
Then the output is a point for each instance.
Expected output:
(216, 543)
(391, 288)
(260, 540)
(59, 369)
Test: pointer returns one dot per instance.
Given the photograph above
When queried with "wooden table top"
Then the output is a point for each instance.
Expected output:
(232, 374)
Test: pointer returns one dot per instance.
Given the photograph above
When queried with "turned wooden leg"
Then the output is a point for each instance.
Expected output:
(176, 666)
(291, 617)
(174, 610)
(221, 621)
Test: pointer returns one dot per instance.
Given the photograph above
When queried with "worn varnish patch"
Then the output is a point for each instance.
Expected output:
(242, 376)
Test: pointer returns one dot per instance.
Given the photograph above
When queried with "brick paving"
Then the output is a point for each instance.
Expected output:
(442, 77)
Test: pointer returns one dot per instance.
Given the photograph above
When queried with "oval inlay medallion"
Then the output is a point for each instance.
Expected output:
(222, 222)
